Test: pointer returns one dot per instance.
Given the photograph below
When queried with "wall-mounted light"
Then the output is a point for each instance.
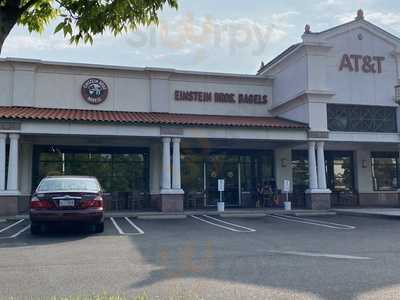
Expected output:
(365, 163)
(284, 162)
(397, 94)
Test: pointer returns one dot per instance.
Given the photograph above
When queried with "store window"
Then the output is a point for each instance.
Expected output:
(361, 118)
(117, 169)
(339, 170)
(340, 174)
(300, 170)
(241, 169)
(385, 171)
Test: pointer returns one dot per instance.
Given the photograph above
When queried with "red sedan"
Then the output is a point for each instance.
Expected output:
(67, 199)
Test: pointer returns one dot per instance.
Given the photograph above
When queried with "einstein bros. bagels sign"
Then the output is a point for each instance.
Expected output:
(94, 91)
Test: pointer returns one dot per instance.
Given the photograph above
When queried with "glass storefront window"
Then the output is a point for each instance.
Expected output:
(117, 169)
(300, 171)
(384, 171)
(339, 170)
(192, 176)
(202, 169)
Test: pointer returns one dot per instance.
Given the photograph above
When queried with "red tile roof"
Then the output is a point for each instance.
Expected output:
(58, 114)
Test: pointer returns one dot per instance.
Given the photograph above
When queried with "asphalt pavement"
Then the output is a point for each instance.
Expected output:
(206, 257)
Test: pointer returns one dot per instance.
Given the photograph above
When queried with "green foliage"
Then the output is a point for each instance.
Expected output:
(40, 14)
(81, 20)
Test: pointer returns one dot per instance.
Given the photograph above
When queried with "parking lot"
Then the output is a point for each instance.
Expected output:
(209, 257)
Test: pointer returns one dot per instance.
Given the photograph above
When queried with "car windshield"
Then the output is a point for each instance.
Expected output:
(68, 184)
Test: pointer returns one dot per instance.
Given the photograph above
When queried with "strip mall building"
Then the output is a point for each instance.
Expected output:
(323, 114)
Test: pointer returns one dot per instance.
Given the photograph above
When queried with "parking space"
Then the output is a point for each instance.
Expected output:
(211, 225)
(218, 222)
(314, 222)
(13, 229)
(125, 226)
(138, 255)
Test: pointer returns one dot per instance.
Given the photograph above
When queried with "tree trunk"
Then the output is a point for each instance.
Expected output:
(8, 18)
(2, 39)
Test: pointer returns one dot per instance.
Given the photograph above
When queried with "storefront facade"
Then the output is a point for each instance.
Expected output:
(323, 114)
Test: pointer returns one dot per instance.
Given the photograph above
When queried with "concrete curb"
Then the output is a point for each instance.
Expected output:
(162, 217)
(368, 214)
(315, 214)
(243, 215)
(13, 218)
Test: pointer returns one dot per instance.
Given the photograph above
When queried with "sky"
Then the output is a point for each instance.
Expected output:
(231, 36)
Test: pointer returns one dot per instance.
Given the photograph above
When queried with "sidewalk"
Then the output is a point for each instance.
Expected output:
(370, 212)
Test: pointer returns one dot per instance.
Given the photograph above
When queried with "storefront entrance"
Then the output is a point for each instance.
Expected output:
(339, 174)
(222, 167)
(122, 172)
(340, 178)
(242, 170)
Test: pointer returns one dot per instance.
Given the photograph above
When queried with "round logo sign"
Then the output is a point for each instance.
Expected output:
(94, 91)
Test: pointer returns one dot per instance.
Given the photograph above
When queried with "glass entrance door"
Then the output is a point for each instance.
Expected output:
(241, 169)
(223, 167)
(340, 178)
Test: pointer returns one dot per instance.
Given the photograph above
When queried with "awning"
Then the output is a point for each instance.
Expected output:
(57, 114)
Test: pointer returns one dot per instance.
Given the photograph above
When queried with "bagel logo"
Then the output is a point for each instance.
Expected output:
(94, 91)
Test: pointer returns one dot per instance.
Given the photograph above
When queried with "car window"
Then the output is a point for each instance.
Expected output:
(68, 184)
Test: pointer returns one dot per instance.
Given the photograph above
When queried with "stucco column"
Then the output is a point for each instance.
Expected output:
(176, 164)
(166, 164)
(12, 180)
(321, 166)
(312, 166)
(3, 138)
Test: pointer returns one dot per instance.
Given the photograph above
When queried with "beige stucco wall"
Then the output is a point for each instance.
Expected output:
(58, 85)
(363, 176)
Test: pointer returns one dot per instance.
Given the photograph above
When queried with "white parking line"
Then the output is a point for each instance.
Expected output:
(345, 226)
(313, 254)
(116, 226)
(121, 232)
(12, 225)
(19, 232)
(232, 224)
(140, 231)
(222, 226)
(313, 222)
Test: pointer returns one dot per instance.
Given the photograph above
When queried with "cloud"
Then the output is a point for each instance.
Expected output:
(41, 42)
(379, 18)
(183, 40)
(199, 38)
(282, 19)
(384, 18)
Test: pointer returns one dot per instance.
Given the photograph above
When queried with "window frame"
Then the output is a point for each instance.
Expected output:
(382, 154)
(361, 118)
(114, 161)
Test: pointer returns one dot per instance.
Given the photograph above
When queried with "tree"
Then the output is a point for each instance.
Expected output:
(80, 20)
